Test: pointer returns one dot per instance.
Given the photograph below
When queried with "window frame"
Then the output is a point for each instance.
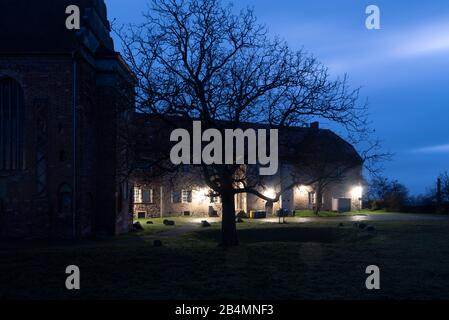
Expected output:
(186, 196)
(138, 195)
(312, 197)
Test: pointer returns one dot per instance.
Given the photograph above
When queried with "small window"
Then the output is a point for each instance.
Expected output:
(137, 195)
(176, 197)
(65, 199)
(62, 156)
(186, 196)
(312, 198)
(141, 215)
(147, 195)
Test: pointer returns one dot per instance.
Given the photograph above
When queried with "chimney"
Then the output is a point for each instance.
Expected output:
(315, 126)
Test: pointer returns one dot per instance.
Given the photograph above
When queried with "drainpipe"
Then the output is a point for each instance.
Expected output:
(162, 202)
(74, 141)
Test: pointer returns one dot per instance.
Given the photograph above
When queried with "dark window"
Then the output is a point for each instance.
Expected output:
(11, 125)
(141, 215)
(176, 197)
(65, 202)
(62, 155)
(147, 195)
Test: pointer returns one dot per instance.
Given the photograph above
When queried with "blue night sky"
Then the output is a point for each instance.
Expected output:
(403, 68)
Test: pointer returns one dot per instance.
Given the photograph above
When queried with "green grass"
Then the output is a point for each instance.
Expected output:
(293, 261)
(333, 214)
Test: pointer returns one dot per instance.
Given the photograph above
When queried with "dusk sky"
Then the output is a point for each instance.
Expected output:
(403, 68)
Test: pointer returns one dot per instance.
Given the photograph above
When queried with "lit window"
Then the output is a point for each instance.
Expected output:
(137, 195)
(186, 196)
(312, 198)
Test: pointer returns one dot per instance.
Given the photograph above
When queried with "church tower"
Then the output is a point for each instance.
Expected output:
(66, 105)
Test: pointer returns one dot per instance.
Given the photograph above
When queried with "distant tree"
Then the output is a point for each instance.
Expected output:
(444, 178)
(197, 60)
(387, 194)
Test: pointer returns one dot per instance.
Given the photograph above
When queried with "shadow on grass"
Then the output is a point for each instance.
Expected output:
(283, 234)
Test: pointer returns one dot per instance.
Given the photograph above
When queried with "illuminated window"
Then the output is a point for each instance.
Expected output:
(186, 196)
(137, 195)
(312, 198)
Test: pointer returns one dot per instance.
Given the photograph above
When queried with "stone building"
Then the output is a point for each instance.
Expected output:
(64, 108)
(327, 164)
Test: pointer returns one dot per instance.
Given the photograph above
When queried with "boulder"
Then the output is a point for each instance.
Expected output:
(362, 225)
(169, 222)
(341, 224)
(370, 228)
(205, 224)
(149, 222)
(137, 226)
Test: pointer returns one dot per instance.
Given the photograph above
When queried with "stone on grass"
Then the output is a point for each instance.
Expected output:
(157, 243)
(169, 222)
(205, 224)
(137, 226)
(370, 228)
(341, 224)
(362, 225)
(149, 222)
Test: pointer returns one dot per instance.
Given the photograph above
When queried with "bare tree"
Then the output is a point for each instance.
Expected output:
(197, 60)
(444, 178)
(387, 194)
(323, 161)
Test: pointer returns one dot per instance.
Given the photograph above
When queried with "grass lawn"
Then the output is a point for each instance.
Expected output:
(293, 261)
(332, 214)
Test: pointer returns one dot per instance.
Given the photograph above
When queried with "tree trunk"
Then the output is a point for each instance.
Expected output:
(228, 225)
(319, 200)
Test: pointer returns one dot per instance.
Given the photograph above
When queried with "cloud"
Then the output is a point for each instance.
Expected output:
(443, 148)
(396, 46)
(430, 39)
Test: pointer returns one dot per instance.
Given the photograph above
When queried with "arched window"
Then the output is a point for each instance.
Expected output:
(65, 199)
(11, 125)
